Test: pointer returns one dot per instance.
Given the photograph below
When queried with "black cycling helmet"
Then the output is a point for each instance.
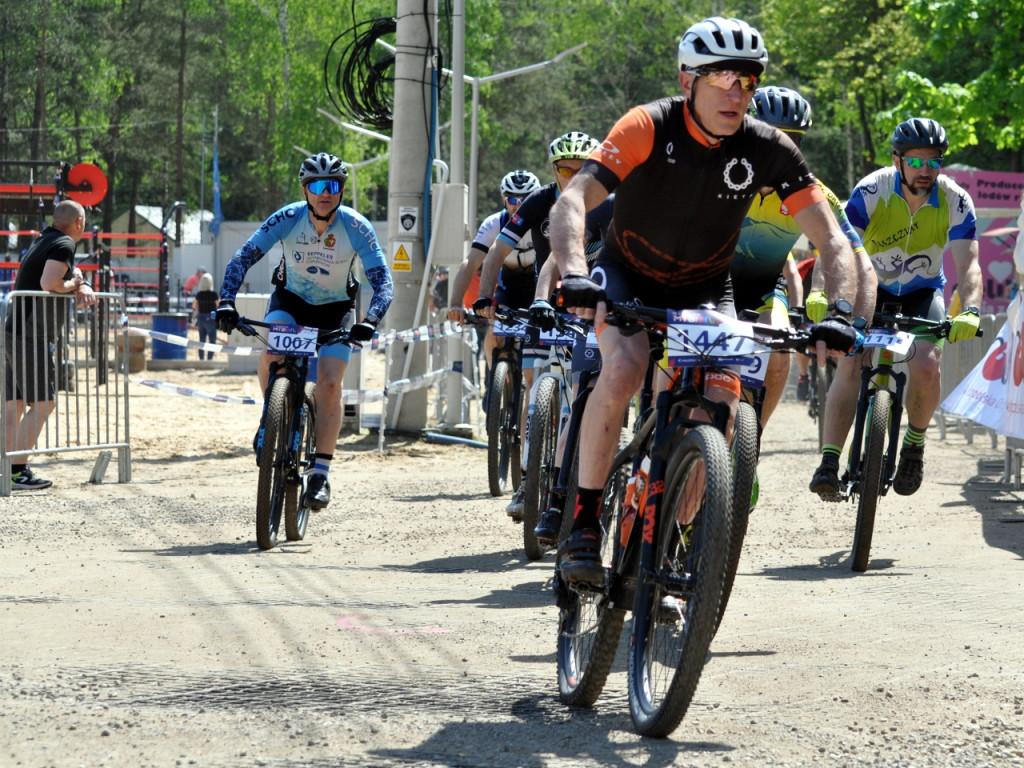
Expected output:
(919, 133)
(322, 166)
(782, 107)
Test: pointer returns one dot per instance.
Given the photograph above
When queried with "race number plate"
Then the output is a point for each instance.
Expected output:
(296, 340)
(694, 335)
(897, 342)
(500, 330)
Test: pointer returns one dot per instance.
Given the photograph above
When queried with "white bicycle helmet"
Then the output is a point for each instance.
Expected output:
(519, 183)
(730, 42)
(574, 145)
(322, 166)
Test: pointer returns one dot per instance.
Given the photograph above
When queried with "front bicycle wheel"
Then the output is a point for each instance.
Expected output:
(273, 481)
(678, 593)
(589, 625)
(499, 420)
(744, 473)
(540, 464)
(296, 513)
(822, 380)
(870, 478)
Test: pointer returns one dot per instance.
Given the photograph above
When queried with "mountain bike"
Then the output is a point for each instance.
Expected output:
(504, 404)
(285, 444)
(821, 380)
(876, 429)
(548, 412)
(666, 543)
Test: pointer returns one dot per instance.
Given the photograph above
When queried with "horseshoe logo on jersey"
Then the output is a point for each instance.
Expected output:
(728, 172)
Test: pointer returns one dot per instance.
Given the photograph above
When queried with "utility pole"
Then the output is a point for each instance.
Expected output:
(409, 179)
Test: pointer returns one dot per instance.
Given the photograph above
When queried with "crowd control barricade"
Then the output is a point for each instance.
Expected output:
(958, 360)
(89, 373)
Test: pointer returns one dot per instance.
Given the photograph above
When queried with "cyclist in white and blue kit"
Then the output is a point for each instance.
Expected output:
(314, 286)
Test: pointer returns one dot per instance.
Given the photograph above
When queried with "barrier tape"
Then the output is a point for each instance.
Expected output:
(350, 395)
(423, 333)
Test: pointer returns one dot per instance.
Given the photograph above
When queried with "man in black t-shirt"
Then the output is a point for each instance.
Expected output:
(33, 326)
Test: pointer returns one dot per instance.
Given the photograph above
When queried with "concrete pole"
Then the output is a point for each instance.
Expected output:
(407, 179)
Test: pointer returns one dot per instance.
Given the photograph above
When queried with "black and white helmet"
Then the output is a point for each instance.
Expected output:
(919, 133)
(322, 166)
(782, 107)
(519, 183)
(718, 41)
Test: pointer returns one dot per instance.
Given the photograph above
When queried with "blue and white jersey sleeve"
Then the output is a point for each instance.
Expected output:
(489, 229)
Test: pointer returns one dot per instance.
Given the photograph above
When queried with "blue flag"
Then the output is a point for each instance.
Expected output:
(218, 215)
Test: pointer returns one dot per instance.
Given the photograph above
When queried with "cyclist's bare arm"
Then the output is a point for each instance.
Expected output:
(843, 272)
(460, 282)
(569, 221)
(546, 280)
(491, 269)
(968, 272)
(794, 284)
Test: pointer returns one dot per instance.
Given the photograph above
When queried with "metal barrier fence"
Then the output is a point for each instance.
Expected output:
(85, 365)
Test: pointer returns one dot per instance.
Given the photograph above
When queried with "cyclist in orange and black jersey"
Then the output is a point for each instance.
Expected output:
(684, 171)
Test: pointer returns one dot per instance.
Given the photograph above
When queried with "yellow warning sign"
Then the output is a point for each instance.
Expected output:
(401, 262)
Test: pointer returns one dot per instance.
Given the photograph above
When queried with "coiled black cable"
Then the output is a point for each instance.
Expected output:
(362, 77)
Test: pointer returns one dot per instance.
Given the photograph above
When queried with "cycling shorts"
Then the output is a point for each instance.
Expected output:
(285, 307)
(924, 302)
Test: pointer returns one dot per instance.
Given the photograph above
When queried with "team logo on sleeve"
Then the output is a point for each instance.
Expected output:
(728, 175)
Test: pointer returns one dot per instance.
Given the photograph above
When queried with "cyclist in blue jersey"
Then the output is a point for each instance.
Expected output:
(314, 286)
(907, 214)
(517, 272)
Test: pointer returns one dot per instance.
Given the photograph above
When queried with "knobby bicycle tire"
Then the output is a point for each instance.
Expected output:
(273, 486)
(296, 514)
(870, 478)
(744, 472)
(540, 463)
(670, 638)
(499, 409)
(590, 628)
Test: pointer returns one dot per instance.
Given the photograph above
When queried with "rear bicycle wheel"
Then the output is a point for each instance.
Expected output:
(744, 472)
(540, 477)
(499, 411)
(273, 487)
(296, 514)
(678, 594)
(589, 626)
(870, 478)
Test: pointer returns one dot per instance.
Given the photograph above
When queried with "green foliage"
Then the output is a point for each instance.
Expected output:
(98, 81)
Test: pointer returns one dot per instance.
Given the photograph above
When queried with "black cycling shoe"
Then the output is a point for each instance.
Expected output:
(910, 471)
(825, 482)
(548, 527)
(318, 493)
(582, 561)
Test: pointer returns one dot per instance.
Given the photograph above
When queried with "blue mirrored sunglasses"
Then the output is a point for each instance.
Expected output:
(918, 162)
(514, 200)
(319, 186)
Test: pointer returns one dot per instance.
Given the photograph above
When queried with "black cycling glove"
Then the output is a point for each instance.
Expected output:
(580, 291)
(226, 316)
(483, 303)
(542, 315)
(836, 332)
(362, 332)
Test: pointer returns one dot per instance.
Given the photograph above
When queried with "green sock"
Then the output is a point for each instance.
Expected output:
(914, 436)
(831, 450)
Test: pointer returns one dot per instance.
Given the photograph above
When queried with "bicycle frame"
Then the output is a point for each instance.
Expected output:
(873, 378)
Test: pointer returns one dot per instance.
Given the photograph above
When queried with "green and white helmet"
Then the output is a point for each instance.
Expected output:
(574, 145)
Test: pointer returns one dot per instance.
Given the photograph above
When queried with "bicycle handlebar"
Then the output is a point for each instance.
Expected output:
(247, 327)
(917, 325)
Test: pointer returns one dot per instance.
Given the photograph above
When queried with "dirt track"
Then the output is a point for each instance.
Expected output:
(142, 626)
